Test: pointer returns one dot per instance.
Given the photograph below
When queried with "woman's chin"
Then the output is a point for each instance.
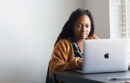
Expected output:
(83, 37)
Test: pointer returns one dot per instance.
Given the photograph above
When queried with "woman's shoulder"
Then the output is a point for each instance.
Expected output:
(64, 45)
(93, 37)
(63, 42)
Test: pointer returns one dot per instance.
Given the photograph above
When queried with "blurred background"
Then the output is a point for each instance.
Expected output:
(29, 29)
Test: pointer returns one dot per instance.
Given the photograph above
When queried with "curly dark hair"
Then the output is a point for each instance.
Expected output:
(67, 31)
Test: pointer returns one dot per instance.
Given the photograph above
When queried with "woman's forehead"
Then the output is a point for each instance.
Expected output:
(83, 19)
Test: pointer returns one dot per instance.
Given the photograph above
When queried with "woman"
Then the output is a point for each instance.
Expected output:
(68, 49)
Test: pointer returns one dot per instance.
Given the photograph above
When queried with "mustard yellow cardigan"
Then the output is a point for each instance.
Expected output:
(62, 57)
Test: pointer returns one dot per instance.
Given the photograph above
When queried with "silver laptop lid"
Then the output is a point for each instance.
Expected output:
(105, 55)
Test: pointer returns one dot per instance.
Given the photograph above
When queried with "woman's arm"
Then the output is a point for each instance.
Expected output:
(62, 58)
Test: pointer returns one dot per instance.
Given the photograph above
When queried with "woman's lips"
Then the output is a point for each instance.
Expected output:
(83, 34)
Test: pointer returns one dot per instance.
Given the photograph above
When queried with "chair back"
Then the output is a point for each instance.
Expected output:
(48, 78)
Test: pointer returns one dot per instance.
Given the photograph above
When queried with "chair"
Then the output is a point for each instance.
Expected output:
(48, 78)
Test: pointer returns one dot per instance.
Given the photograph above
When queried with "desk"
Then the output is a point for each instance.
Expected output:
(74, 77)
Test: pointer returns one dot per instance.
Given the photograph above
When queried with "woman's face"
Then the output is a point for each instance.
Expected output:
(82, 27)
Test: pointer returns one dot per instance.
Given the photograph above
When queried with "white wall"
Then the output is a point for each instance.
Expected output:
(100, 11)
(28, 30)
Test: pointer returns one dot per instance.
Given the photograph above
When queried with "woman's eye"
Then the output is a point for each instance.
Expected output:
(87, 26)
(79, 25)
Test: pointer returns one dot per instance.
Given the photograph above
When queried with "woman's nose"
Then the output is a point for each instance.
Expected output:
(83, 29)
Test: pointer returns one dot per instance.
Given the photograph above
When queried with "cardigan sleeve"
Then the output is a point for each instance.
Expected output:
(62, 58)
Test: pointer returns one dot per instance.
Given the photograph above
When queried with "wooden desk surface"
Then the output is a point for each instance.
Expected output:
(74, 77)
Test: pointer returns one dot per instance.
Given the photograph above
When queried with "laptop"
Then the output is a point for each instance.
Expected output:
(105, 55)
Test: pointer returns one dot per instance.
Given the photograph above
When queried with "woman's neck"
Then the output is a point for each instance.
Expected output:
(79, 43)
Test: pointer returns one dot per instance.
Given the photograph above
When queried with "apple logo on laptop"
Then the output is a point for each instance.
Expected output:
(106, 55)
